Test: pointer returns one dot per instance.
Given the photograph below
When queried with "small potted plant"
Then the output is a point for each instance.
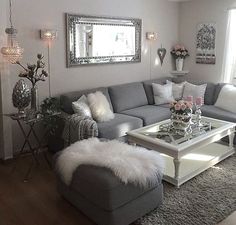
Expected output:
(50, 109)
(179, 53)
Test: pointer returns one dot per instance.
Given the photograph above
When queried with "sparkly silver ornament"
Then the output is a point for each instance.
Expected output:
(21, 95)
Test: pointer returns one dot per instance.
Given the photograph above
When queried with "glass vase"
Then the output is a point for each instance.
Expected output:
(34, 99)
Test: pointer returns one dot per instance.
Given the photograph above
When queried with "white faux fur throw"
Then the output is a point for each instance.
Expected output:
(130, 163)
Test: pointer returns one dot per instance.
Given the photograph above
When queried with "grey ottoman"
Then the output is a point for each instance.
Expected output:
(104, 199)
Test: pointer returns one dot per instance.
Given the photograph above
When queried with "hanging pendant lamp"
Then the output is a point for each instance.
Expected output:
(12, 52)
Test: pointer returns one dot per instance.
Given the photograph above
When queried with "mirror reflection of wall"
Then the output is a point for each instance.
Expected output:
(100, 40)
(84, 40)
(113, 40)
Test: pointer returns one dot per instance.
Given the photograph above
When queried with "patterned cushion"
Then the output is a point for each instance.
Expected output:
(81, 107)
(194, 90)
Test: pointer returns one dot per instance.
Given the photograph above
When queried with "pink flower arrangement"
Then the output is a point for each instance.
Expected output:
(181, 107)
(179, 51)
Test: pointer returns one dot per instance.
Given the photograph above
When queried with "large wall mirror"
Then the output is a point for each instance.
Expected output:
(100, 40)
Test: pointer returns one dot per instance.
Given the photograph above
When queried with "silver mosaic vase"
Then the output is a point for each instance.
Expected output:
(21, 96)
(181, 123)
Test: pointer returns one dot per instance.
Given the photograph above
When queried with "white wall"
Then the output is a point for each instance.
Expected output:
(5, 94)
(31, 16)
(197, 11)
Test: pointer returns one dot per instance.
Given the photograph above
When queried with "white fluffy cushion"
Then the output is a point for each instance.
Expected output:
(162, 93)
(177, 89)
(226, 98)
(100, 107)
(81, 107)
(194, 90)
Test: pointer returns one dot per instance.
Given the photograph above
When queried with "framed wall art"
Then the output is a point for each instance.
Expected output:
(206, 43)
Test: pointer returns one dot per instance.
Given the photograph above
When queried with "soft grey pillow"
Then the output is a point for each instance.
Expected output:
(81, 107)
(177, 89)
(194, 90)
(162, 93)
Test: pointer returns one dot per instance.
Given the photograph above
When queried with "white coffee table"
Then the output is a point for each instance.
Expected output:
(186, 157)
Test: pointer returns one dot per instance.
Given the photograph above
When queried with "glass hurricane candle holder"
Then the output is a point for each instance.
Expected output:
(198, 112)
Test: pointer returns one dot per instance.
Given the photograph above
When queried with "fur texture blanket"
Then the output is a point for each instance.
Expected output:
(129, 163)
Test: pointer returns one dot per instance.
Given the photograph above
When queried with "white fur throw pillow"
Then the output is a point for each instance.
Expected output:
(100, 107)
(162, 93)
(226, 98)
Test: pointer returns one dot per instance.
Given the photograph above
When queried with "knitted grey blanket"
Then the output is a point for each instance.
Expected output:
(78, 128)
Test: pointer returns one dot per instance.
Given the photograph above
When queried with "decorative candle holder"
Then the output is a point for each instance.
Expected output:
(198, 112)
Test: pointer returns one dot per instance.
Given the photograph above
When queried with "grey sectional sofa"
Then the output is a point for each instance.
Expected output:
(111, 202)
(133, 105)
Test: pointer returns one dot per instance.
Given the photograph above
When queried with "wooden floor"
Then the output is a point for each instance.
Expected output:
(37, 202)
(231, 220)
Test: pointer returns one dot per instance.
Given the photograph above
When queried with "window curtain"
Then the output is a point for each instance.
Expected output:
(229, 63)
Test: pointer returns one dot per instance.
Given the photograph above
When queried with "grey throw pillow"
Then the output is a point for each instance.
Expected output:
(194, 90)
(81, 107)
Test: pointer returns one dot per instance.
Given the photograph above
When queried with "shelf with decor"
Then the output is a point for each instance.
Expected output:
(179, 73)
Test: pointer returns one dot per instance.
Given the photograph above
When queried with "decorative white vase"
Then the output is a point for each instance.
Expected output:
(179, 64)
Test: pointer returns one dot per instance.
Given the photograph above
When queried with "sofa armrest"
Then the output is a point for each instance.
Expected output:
(78, 128)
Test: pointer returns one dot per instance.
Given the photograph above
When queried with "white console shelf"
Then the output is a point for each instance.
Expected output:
(179, 73)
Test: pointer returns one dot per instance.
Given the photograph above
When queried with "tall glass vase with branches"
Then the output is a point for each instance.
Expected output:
(34, 73)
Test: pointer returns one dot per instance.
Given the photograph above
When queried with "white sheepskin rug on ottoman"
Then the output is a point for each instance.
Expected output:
(131, 164)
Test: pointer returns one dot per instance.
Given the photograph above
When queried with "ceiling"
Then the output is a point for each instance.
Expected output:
(180, 0)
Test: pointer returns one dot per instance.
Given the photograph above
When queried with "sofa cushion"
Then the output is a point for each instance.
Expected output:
(195, 91)
(217, 113)
(67, 99)
(217, 91)
(99, 186)
(162, 93)
(148, 87)
(100, 107)
(149, 114)
(81, 107)
(177, 89)
(209, 97)
(165, 106)
(127, 96)
(226, 97)
(118, 126)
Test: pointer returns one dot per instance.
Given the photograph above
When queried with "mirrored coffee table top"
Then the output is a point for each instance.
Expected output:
(162, 133)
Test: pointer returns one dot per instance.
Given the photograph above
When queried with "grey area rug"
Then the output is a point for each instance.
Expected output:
(205, 200)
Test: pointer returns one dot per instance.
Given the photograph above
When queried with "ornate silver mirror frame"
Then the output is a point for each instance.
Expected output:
(101, 40)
